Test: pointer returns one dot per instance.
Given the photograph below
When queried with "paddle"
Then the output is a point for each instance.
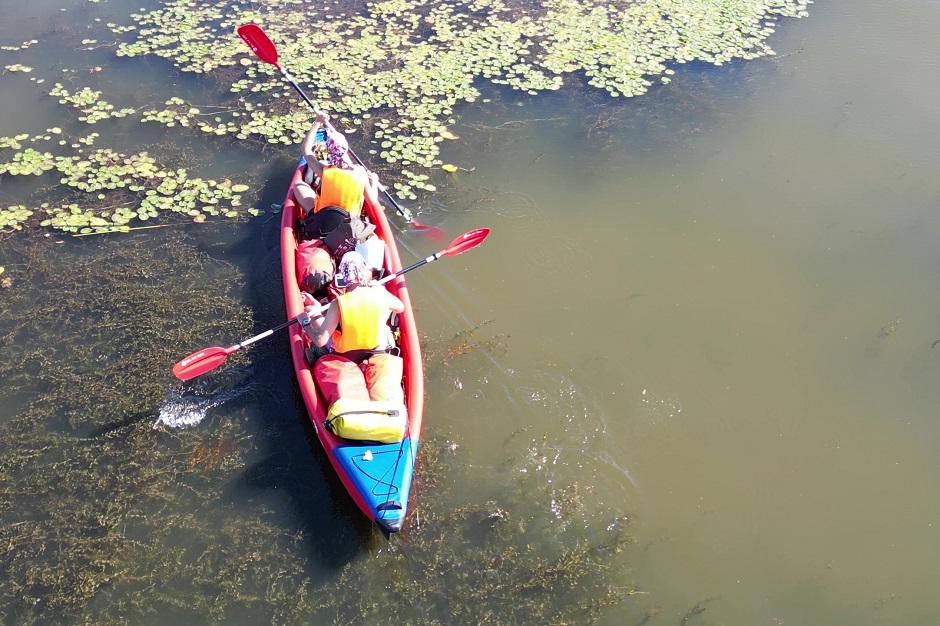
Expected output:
(207, 359)
(264, 48)
(468, 240)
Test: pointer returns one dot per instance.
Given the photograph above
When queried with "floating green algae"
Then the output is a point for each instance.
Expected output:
(16, 67)
(22, 46)
(113, 189)
(89, 103)
(399, 69)
(397, 72)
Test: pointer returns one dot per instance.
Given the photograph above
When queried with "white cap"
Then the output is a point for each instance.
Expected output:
(373, 251)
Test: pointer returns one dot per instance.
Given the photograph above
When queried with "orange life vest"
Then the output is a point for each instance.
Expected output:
(362, 315)
(343, 188)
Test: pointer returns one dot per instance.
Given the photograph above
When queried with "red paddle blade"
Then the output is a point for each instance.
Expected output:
(259, 42)
(200, 362)
(470, 239)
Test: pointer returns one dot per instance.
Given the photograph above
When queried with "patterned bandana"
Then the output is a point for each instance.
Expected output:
(353, 269)
(336, 149)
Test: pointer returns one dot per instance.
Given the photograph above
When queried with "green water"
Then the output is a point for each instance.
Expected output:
(688, 379)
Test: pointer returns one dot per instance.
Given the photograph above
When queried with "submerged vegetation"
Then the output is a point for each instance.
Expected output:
(395, 72)
(84, 366)
(104, 519)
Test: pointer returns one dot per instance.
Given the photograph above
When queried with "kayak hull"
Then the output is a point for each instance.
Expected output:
(377, 476)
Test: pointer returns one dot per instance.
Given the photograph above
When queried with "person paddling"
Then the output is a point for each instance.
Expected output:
(342, 183)
(362, 364)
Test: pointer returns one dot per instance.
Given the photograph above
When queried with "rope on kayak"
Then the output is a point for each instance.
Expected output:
(401, 453)
(379, 480)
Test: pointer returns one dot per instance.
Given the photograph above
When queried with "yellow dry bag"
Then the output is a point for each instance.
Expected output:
(367, 420)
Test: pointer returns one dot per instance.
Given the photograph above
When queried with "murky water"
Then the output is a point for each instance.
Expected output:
(727, 310)
(712, 307)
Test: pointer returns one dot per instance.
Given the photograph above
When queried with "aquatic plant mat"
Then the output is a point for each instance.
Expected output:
(394, 74)
(105, 519)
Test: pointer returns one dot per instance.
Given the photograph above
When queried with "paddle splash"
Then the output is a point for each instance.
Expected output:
(188, 404)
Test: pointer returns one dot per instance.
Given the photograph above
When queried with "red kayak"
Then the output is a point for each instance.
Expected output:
(372, 449)
(377, 475)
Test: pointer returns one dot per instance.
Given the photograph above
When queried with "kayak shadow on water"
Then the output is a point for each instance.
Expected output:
(293, 464)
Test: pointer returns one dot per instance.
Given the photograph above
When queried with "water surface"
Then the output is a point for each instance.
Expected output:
(712, 307)
(736, 339)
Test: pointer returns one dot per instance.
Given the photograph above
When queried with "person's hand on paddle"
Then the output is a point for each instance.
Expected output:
(310, 314)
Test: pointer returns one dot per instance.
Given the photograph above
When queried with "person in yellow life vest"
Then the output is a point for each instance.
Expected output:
(342, 183)
(356, 322)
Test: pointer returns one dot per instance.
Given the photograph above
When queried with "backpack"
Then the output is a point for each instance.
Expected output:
(319, 224)
(338, 230)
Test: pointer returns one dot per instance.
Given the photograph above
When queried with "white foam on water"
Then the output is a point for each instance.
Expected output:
(176, 414)
(188, 406)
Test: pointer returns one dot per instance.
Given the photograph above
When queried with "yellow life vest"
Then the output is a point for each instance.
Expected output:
(362, 314)
(343, 188)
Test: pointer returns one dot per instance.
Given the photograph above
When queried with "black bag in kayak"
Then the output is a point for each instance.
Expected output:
(338, 230)
(319, 224)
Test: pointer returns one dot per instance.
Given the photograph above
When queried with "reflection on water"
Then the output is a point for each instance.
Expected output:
(654, 406)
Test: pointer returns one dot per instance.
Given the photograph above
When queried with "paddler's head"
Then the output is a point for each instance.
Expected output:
(353, 270)
(316, 283)
(336, 150)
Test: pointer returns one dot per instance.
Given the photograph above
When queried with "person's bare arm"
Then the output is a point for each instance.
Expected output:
(394, 304)
(309, 143)
(371, 191)
(321, 326)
